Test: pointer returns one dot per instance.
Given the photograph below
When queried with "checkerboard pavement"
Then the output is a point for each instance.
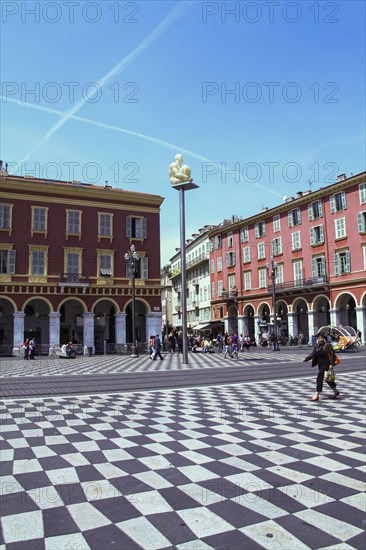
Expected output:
(102, 364)
(240, 466)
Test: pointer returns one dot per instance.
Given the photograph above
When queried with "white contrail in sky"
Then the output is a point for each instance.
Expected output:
(127, 60)
(146, 137)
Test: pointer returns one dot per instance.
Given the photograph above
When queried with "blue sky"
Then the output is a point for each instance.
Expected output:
(260, 97)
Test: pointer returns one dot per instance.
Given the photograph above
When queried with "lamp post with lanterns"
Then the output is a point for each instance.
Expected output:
(131, 259)
(272, 274)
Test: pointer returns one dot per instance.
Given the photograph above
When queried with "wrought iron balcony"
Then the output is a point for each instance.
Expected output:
(301, 285)
(73, 279)
(229, 295)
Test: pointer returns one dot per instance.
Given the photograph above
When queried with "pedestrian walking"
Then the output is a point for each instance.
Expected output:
(157, 346)
(322, 355)
(32, 348)
(227, 345)
(26, 349)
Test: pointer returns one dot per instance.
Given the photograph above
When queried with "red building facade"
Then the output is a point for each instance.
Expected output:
(63, 275)
(318, 243)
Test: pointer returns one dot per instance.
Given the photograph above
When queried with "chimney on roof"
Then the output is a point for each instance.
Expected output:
(264, 208)
(341, 177)
(299, 194)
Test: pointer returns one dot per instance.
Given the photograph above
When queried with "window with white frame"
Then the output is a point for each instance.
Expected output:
(277, 246)
(276, 223)
(262, 273)
(364, 256)
(318, 267)
(362, 190)
(231, 281)
(219, 288)
(296, 240)
(246, 254)
(279, 273)
(340, 228)
(247, 280)
(338, 202)
(136, 227)
(298, 271)
(73, 262)
(7, 259)
(217, 241)
(219, 264)
(315, 210)
(38, 264)
(212, 266)
(105, 265)
(213, 290)
(244, 234)
(230, 259)
(261, 251)
(39, 219)
(230, 239)
(73, 222)
(105, 224)
(361, 222)
(294, 217)
(316, 235)
(342, 262)
(260, 229)
(5, 216)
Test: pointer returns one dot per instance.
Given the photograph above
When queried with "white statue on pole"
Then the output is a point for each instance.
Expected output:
(179, 172)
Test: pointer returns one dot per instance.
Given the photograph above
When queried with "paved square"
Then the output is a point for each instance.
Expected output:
(252, 465)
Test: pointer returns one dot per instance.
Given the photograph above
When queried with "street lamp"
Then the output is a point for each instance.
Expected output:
(131, 259)
(272, 274)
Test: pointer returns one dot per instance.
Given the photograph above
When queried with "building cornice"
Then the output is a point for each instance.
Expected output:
(296, 202)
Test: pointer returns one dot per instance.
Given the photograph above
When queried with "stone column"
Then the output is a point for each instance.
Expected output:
(361, 321)
(54, 330)
(257, 332)
(241, 325)
(120, 319)
(153, 323)
(18, 339)
(88, 332)
(312, 330)
(333, 316)
(291, 322)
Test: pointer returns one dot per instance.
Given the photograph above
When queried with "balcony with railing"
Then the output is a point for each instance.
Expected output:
(73, 280)
(228, 295)
(301, 285)
(198, 259)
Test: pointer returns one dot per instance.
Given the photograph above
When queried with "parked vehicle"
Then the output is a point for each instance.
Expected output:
(68, 351)
(341, 337)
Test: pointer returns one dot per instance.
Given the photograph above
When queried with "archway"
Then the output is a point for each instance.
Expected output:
(7, 310)
(346, 310)
(36, 322)
(71, 321)
(301, 322)
(321, 308)
(140, 321)
(249, 328)
(232, 320)
(282, 319)
(104, 324)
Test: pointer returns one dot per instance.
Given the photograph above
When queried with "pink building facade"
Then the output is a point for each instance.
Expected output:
(317, 242)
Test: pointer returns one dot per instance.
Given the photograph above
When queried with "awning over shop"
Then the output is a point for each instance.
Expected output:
(201, 327)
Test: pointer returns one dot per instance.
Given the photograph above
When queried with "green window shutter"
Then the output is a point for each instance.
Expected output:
(336, 264)
(128, 226)
(321, 233)
(310, 212)
(312, 236)
(290, 219)
(332, 204)
(344, 201)
(256, 230)
(144, 268)
(314, 268)
(360, 222)
(144, 228)
(11, 261)
(320, 205)
(347, 266)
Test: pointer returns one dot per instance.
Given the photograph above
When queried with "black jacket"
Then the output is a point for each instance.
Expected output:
(320, 356)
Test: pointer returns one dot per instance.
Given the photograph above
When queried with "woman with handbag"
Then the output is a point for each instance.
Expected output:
(323, 355)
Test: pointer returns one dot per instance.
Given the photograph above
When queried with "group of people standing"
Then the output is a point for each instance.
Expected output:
(29, 348)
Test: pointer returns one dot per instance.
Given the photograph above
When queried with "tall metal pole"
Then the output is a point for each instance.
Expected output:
(183, 274)
(133, 308)
(273, 277)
